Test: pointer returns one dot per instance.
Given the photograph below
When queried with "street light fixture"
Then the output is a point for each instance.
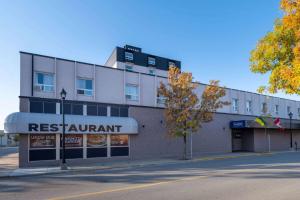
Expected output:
(291, 133)
(63, 95)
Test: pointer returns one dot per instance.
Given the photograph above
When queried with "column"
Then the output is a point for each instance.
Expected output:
(57, 146)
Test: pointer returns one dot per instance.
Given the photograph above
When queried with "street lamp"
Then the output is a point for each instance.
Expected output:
(63, 95)
(291, 133)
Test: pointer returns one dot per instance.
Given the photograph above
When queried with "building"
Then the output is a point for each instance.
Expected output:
(114, 112)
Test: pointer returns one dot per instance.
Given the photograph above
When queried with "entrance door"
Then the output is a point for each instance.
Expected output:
(236, 140)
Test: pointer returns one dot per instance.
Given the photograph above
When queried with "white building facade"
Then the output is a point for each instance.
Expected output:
(124, 93)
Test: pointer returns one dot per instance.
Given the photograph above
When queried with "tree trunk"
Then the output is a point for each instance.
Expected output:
(184, 152)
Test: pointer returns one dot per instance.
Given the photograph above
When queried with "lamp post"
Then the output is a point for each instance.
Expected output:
(291, 133)
(63, 95)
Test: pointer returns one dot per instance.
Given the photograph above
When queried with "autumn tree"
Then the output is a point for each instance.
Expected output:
(184, 111)
(278, 52)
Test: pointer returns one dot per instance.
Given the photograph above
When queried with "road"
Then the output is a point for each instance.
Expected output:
(266, 177)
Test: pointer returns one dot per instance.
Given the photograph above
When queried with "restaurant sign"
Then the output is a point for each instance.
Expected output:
(27, 123)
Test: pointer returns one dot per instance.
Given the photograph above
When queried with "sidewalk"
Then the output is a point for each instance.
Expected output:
(14, 171)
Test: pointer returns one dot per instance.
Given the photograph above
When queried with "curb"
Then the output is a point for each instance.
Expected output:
(124, 166)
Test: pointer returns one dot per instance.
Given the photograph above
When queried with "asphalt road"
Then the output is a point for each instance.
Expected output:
(267, 177)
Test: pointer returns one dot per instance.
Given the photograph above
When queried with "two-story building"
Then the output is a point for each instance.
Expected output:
(113, 111)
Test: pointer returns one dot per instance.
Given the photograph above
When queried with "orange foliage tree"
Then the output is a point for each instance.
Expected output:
(184, 111)
(278, 52)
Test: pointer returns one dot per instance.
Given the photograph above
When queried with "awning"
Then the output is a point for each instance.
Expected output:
(269, 124)
(21, 122)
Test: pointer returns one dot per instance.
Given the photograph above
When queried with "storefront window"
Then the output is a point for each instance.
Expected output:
(74, 146)
(42, 147)
(96, 140)
(73, 140)
(96, 145)
(41, 141)
(119, 145)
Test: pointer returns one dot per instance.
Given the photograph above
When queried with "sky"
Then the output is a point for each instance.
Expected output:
(213, 39)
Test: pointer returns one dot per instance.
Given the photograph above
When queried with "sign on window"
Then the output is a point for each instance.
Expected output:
(42, 141)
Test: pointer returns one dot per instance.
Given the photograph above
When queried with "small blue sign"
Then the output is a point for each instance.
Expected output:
(238, 124)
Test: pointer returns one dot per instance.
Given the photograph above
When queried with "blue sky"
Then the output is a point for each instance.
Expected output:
(211, 38)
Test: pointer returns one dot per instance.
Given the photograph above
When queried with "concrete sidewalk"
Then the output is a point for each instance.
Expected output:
(14, 172)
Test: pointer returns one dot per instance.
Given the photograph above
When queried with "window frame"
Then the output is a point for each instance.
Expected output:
(235, 104)
(85, 91)
(249, 106)
(43, 85)
(128, 56)
(288, 109)
(127, 95)
(171, 64)
(264, 105)
(129, 68)
(151, 61)
(277, 109)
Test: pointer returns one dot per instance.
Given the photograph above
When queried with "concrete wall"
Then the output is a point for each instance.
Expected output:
(279, 140)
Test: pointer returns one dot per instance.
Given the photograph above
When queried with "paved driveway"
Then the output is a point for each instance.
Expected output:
(266, 177)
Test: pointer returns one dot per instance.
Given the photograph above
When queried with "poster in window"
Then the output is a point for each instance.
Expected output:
(42, 141)
(73, 140)
(96, 140)
(119, 140)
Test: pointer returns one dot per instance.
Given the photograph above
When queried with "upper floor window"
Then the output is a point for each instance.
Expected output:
(276, 109)
(160, 99)
(128, 56)
(151, 61)
(44, 82)
(264, 108)
(235, 105)
(132, 92)
(171, 64)
(152, 71)
(128, 67)
(249, 106)
(288, 109)
(85, 87)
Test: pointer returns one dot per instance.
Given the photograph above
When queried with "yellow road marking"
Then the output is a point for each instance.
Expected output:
(153, 184)
(124, 188)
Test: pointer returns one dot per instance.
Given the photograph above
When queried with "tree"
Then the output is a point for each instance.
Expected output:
(278, 52)
(184, 112)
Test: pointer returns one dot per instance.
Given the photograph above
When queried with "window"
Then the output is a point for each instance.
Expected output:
(123, 111)
(36, 107)
(74, 146)
(132, 92)
(235, 105)
(85, 87)
(114, 111)
(42, 147)
(96, 145)
(50, 107)
(77, 109)
(171, 64)
(299, 112)
(119, 145)
(128, 68)
(91, 110)
(151, 61)
(102, 110)
(288, 109)
(249, 106)
(43, 82)
(128, 56)
(160, 99)
(276, 109)
(264, 108)
(152, 71)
